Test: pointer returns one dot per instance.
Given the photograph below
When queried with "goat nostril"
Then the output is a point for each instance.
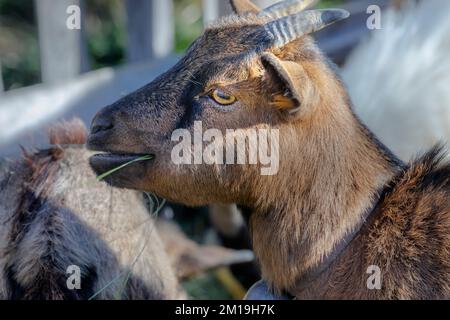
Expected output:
(100, 124)
(99, 128)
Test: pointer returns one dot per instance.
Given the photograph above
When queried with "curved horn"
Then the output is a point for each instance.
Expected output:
(286, 8)
(290, 28)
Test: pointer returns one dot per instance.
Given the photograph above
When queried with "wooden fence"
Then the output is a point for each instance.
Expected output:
(150, 33)
(68, 89)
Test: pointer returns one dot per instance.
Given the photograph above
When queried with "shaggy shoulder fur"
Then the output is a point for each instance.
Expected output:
(413, 231)
(407, 237)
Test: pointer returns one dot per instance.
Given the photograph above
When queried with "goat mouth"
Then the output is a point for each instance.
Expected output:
(114, 163)
(120, 158)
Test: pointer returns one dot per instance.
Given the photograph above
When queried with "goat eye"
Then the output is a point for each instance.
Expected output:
(222, 97)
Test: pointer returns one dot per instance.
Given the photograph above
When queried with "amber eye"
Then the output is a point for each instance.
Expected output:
(222, 97)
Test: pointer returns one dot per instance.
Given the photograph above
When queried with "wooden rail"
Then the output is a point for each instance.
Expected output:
(63, 51)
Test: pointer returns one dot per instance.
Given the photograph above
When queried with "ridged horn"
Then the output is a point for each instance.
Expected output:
(286, 8)
(290, 28)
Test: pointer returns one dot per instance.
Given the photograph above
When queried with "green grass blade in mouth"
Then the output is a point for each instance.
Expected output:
(110, 172)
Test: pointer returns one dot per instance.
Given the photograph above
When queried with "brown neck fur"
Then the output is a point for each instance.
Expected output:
(335, 174)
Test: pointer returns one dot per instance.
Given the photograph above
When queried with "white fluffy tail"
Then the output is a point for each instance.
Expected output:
(399, 80)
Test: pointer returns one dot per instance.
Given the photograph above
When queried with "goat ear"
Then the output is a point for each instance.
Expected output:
(244, 6)
(292, 88)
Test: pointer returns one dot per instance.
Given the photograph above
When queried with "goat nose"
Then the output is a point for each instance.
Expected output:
(101, 123)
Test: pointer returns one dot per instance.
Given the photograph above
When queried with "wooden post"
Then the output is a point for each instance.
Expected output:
(150, 29)
(62, 44)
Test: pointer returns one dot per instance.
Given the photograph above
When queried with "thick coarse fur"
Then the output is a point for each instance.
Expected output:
(332, 172)
(404, 97)
(54, 214)
(407, 237)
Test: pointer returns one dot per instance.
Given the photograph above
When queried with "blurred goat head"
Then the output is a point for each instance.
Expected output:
(255, 69)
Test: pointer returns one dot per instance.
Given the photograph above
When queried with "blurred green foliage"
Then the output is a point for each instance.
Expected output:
(329, 3)
(188, 23)
(19, 49)
(106, 36)
(206, 287)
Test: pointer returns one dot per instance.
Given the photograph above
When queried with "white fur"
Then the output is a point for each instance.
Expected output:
(399, 80)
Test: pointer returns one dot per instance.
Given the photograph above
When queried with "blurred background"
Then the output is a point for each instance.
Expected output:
(398, 77)
(48, 71)
(106, 33)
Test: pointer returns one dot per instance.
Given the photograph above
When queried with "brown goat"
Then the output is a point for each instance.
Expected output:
(342, 205)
